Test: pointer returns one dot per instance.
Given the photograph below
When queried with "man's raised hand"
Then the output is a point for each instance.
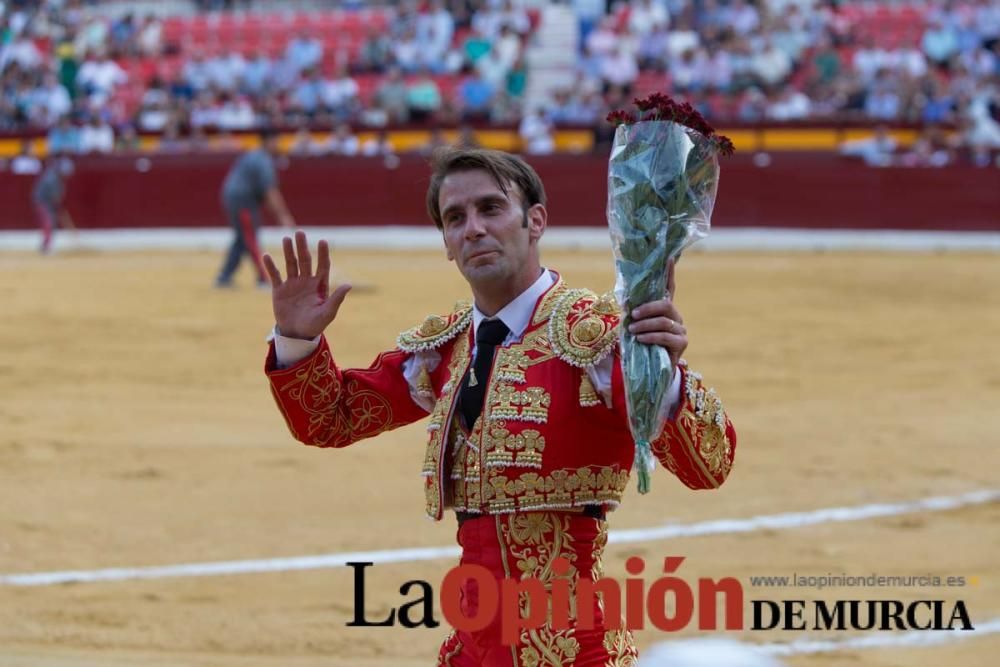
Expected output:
(303, 304)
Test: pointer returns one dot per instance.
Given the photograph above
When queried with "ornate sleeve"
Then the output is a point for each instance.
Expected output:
(698, 442)
(325, 406)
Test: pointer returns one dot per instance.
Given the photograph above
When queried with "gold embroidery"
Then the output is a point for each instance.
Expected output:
(435, 330)
(701, 424)
(506, 402)
(504, 448)
(535, 540)
(347, 413)
(511, 364)
(548, 302)
(451, 647)
(621, 648)
(567, 487)
(607, 305)
(588, 395)
(579, 334)
(435, 443)
(424, 386)
(586, 331)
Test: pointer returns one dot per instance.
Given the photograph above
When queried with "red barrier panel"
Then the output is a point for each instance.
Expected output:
(793, 190)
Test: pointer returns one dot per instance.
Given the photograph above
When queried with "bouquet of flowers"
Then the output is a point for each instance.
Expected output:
(662, 179)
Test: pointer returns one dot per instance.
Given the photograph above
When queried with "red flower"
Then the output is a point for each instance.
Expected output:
(620, 117)
(658, 106)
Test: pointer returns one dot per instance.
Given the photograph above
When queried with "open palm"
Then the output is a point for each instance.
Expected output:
(303, 304)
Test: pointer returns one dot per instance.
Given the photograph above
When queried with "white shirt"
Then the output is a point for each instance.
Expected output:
(516, 315)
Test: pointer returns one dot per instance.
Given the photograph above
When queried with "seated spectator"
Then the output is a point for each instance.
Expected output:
(882, 101)
(690, 71)
(306, 97)
(63, 138)
(342, 142)
(423, 98)
(536, 134)
(620, 69)
(603, 40)
(680, 39)
(407, 52)
(711, 15)
(475, 46)
(718, 69)
(226, 70)
(392, 97)
(379, 145)
(493, 69)
(507, 46)
(645, 16)
(304, 144)
(256, 76)
(376, 51)
(929, 150)
(826, 61)
(92, 36)
(788, 104)
(122, 34)
(99, 77)
(517, 80)
(97, 136)
(771, 65)
(475, 95)
(196, 72)
(339, 95)
(50, 101)
(742, 17)
(25, 163)
(304, 52)
(434, 29)
(235, 113)
(652, 50)
(150, 36)
(876, 151)
(940, 42)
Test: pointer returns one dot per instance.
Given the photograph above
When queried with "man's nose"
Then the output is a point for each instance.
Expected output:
(475, 226)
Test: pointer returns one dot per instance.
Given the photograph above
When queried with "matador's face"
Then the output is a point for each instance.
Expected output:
(487, 232)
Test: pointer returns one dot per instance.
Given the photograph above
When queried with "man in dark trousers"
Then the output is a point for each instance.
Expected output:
(249, 183)
(48, 196)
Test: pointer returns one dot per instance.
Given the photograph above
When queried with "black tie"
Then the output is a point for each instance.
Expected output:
(490, 334)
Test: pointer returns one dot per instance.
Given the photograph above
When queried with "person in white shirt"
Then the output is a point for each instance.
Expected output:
(97, 136)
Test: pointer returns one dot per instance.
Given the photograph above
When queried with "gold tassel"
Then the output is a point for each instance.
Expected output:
(588, 396)
(424, 386)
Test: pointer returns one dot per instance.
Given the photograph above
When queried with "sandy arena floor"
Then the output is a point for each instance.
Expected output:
(137, 430)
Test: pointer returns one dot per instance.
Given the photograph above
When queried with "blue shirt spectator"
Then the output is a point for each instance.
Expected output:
(64, 137)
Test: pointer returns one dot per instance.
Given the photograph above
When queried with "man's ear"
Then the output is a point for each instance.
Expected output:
(537, 218)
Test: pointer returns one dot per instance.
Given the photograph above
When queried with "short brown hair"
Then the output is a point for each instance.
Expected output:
(503, 168)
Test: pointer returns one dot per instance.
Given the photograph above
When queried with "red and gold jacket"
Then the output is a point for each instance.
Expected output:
(545, 439)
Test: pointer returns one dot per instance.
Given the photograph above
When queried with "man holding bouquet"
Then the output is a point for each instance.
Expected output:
(529, 440)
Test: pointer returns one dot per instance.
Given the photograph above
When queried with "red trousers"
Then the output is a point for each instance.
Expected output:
(524, 545)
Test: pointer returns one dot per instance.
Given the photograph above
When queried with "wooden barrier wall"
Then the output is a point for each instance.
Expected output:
(794, 190)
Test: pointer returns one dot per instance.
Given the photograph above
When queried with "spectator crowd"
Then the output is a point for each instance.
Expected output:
(94, 82)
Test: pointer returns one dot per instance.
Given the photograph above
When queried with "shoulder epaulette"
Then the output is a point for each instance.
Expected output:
(584, 327)
(436, 330)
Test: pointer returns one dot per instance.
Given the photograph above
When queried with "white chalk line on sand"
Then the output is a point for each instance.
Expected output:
(719, 527)
(909, 639)
(412, 237)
